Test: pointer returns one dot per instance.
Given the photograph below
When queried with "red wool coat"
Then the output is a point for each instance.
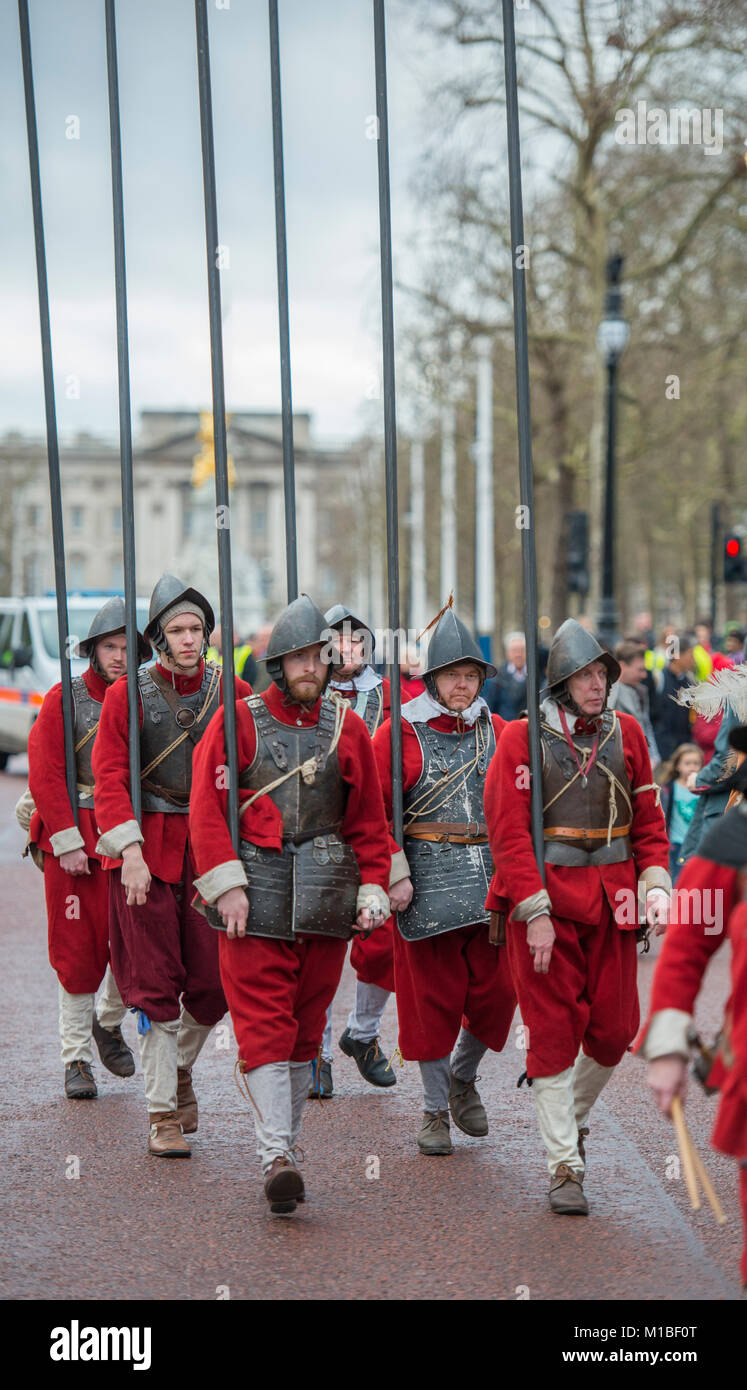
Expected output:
(685, 954)
(577, 894)
(363, 825)
(164, 835)
(47, 772)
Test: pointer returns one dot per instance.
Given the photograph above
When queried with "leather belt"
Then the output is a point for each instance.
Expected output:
(564, 832)
(449, 832)
(291, 841)
(573, 857)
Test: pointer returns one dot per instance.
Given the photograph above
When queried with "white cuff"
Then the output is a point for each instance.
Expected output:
(64, 841)
(370, 895)
(666, 1034)
(400, 868)
(113, 841)
(534, 914)
(532, 907)
(25, 807)
(219, 880)
(656, 877)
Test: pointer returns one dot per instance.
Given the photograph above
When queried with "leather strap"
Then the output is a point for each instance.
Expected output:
(563, 832)
(451, 832)
(571, 856)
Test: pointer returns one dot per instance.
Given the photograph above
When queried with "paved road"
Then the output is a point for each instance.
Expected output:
(473, 1225)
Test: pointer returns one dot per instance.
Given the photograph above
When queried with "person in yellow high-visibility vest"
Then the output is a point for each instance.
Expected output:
(243, 661)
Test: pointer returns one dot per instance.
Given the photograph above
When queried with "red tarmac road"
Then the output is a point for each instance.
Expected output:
(380, 1221)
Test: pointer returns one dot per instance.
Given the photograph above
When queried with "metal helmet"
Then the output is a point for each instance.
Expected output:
(300, 625)
(338, 615)
(110, 619)
(450, 643)
(168, 591)
(573, 648)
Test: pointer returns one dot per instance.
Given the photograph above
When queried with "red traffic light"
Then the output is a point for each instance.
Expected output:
(733, 546)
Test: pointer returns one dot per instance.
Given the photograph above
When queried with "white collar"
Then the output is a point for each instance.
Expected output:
(367, 680)
(424, 707)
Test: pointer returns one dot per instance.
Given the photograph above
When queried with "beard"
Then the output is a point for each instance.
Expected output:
(306, 694)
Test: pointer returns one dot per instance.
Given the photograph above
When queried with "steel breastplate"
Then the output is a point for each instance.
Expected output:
(173, 775)
(569, 805)
(310, 887)
(450, 882)
(87, 715)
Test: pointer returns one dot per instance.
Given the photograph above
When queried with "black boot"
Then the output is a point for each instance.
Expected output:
(79, 1082)
(113, 1050)
(371, 1062)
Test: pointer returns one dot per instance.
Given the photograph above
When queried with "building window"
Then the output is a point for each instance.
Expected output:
(76, 572)
(116, 573)
(76, 518)
(258, 497)
(117, 520)
(33, 517)
(32, 574)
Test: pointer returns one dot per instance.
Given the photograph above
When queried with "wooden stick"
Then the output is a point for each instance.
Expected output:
(705, 1182)
(686, 1153)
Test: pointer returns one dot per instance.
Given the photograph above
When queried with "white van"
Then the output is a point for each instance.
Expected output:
(30, 657)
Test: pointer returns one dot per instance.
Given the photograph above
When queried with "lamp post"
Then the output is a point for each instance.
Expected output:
(612, 337)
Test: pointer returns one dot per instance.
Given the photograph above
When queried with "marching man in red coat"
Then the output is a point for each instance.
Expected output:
(455, 1000)
(314, 863)
(75, 885)
(713, 885)
(372, 957)
(572, 942)
(164, 954)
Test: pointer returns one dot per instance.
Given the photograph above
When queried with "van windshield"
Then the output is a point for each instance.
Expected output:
(81, 617)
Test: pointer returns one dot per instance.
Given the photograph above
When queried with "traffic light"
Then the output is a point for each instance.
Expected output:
(735, 560)
(578, 552)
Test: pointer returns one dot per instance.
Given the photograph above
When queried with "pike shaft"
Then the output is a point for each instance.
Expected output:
(53, 451)
(125, 413)
(526, 482)
(390, 417)
(219, 417)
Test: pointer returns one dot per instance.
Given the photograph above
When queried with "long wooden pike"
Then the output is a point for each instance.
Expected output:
(526, 477)
(219, 417)
(281, 246)
(390, 414)
(53, 449)
(125, 412)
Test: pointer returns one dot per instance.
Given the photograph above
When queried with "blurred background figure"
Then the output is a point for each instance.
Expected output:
(506, 694)
(678, 800)
(631, 693)
(244, 663)
(409, 669)
(734, 640)
(259, 640)
(672, 723)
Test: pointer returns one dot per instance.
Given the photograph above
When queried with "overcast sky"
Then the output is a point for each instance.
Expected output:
(331, 196)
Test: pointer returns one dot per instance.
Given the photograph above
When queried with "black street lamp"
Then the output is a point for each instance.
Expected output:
(612, 337)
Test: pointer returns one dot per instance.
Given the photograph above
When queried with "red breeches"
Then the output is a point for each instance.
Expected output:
(278, 993)
(77, 925)
(450, 981)
(588, 999)
(165, 952)
(373, 959)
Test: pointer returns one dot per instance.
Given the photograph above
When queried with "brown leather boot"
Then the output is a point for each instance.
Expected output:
(186, 1101)
(166, 1139)
(283, 1186)
(567, 1192)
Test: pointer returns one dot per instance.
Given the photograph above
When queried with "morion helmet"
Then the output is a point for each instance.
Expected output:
(450, 643)
(573, 648)
(110, 619)
(169, 592)
(300, 625)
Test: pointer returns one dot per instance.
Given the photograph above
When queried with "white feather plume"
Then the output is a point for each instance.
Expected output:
(723, 690)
